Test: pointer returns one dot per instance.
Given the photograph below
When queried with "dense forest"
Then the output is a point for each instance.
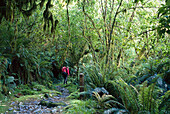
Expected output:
(117, 52)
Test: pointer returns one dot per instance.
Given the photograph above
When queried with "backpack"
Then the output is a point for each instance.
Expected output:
(64, 73)
(66, 70)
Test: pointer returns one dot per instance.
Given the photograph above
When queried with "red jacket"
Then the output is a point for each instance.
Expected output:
(64, 70)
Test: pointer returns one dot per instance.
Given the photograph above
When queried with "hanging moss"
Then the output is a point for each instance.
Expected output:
(27, 8)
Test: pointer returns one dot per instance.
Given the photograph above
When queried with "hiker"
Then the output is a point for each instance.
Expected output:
(65, 73)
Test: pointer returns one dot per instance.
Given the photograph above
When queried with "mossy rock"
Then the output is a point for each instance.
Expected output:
(28, 97)
(46, 95)
(39, 86)
(61, 103)
(43, 103)
(85, 95)
(52, 104)
(51, 91)
(55, 104)
(29, 92)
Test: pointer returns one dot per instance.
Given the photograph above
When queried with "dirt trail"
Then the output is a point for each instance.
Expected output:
(34, 106)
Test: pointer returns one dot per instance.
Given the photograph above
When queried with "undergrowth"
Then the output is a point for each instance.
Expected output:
(81, 106)
(3, 103)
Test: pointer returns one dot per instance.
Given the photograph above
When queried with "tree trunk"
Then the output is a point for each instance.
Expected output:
(118, 57)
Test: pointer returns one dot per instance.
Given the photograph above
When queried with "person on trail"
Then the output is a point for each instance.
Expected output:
(65, 73)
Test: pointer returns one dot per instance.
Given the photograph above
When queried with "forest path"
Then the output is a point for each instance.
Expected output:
(47, 104)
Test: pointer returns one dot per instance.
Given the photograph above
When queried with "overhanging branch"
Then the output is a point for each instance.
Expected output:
(124, 10)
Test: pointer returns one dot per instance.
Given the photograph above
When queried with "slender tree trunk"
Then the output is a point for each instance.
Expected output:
(111, 31)
(118, 57)
(69, 34)
(88, 37)
(77, 71)
(104, 13)
(91, 20)
(128, 29)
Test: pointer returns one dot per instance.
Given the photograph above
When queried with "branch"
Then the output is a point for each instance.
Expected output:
(110, 15)
(91, 21)
(115, 20)
(124, 28)
(146, 31)
(110, 37)
(104, 12)
(134, 8)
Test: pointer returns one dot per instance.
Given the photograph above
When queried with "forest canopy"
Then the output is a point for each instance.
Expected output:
(120, 45)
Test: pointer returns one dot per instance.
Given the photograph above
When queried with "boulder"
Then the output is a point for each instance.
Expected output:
(101, 91)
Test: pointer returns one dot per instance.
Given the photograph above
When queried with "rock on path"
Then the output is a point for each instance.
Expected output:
(54, 104)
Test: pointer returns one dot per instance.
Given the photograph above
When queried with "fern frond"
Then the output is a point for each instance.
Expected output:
(105, 101)
(165, 102)
(134, 88)
(147, 98)
(115, 102)
(128, 95)
(97, 96)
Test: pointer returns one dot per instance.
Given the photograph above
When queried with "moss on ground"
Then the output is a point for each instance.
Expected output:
(70, 86)
(51, 91)
(77, 106)
(3, 108)
(28, 97)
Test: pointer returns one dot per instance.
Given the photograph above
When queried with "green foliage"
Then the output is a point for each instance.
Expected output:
(3, 107)
(33, 89)
(164, 105)
(154, 67)
(51, 104)
(77, 106)
(28, 92)
(128, 95)
(28, 97)
(10, 40)
(141, 98)
(26, 63)
(27, 8)
(163, 14)
(3, 102)
(74, 95)
(37, 86)
(105, 101)
(148, 98)
(96, 76)
(71, 87)
(102, 41)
